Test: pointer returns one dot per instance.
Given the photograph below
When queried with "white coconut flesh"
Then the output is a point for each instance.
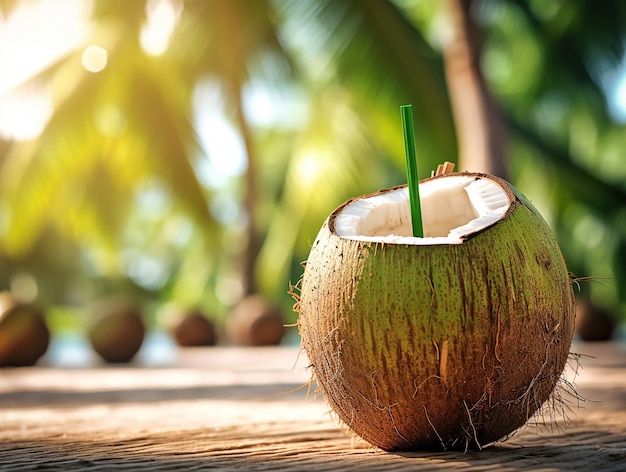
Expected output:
(453, 208)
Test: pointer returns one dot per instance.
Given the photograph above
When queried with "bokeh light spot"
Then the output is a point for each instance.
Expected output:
(95, 58)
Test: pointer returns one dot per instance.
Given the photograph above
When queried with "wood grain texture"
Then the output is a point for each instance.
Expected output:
(227, 409)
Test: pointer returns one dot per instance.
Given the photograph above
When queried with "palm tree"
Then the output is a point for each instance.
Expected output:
(372, 61)
(356, 62)
(144, 104)
(111, 134)
(223, 40)
(477, 118)
(564, 136)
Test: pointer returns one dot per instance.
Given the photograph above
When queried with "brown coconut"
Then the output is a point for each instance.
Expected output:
(24, 334)
(594, 323)
(117, 330)
(193, 328)
(255, 321)
(433, 344)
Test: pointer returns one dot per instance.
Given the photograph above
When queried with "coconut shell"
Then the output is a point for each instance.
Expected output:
(24, 334)
(441, 346)
(594, 323)
(194, 329)
(117, 330)
(255, 322)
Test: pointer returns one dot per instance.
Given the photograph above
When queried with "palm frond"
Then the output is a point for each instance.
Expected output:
(152, 137)
(372, 50)
(171, 143)
(332, 160)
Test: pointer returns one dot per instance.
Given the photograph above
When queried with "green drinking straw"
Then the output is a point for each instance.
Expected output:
(411, 170)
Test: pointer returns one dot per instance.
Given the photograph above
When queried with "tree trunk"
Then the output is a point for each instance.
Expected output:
(251, 196)
(480, 129)
(233, 68)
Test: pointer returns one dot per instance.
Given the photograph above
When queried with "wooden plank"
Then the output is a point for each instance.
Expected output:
(226, 408)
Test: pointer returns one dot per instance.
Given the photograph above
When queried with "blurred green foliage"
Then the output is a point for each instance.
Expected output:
(119, 193)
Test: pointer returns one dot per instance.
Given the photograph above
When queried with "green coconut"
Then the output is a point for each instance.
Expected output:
(449, 341)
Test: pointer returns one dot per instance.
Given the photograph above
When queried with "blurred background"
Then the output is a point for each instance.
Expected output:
(183, 154)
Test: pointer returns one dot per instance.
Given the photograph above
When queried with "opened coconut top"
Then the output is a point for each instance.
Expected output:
(454, 207)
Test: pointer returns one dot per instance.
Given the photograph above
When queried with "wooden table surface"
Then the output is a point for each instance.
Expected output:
(229, 408)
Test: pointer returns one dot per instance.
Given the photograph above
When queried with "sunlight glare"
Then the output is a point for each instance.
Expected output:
(220, 140)
(35, 35)
(25, 112)
(618, 104)
(162, 16)
(268, 106)
(308, 168)
(95, 58)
